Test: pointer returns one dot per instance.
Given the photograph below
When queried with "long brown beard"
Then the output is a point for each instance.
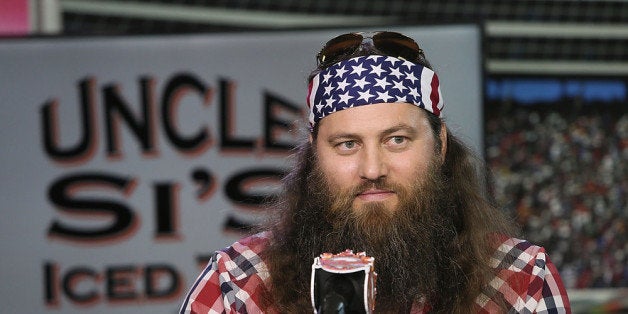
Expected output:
(411, 244)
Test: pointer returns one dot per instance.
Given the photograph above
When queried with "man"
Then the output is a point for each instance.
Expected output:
(381, 173)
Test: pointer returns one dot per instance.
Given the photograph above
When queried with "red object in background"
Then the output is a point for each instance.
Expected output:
(14, 17)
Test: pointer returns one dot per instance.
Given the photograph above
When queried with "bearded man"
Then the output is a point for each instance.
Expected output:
(381, 173)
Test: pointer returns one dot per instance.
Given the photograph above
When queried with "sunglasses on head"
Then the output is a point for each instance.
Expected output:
(389, 43)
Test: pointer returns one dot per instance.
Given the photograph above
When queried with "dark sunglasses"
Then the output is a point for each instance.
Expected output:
(389, 43)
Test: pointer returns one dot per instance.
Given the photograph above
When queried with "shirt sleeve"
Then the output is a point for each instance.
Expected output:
(232, 282)
(205, 296)
(528, 280)
(547, 287)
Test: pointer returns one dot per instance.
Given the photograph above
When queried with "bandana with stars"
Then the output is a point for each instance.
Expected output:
(370, 80)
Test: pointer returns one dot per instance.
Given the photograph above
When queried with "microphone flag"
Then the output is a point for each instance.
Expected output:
(343, 283)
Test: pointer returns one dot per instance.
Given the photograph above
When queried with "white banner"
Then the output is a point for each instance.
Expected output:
(127, 160)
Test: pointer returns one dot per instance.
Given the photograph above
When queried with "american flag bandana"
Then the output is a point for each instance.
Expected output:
(370, 80)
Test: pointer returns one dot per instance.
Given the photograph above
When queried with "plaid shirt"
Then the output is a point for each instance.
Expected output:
(234, 279)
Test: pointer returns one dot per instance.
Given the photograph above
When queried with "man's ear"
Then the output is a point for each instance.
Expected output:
(443, 141)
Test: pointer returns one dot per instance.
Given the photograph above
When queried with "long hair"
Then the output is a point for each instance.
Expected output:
(478, 223)
(288, 264)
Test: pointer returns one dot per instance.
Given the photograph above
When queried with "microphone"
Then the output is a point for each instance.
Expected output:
(343, 283)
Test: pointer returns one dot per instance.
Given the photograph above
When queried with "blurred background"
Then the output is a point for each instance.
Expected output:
(555, 101)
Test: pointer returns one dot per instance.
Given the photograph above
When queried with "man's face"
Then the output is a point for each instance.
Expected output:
(371, 152)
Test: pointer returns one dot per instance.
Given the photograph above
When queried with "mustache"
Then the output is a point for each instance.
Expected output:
(338, 208)
(378, 184)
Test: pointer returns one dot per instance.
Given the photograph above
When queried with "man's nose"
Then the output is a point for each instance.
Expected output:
(373, 164)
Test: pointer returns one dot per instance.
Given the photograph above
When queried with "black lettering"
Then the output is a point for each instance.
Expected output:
(120, 283)
(50, 283)
(153, 282)
(239, 187)
(237, 225)
(202, 260)
(227, 125)
(166, 207)
(274, 125)
(116, 107)
(49, 131)
(205, 182)
(61, 194)
(177, 87)
(70, 281)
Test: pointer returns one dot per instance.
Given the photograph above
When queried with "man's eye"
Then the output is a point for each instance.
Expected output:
(347, 145)
(397, 140)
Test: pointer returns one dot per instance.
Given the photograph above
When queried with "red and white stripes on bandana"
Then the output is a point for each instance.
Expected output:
(370, 80)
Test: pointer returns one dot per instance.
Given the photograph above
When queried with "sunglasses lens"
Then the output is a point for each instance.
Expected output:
(390, 43)
(395, 44)
(338, 47)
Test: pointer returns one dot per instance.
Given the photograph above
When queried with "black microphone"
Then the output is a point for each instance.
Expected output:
(343, 283)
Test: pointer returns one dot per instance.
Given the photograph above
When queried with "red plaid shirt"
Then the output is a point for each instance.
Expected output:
(234, 279)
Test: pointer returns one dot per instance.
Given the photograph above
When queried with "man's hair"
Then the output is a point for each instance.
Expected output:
(478, 225)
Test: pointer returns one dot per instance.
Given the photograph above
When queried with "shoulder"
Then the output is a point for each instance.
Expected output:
(527, 278)
(516, 254)
(253, 243)
(233, 279)
(242, 258)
